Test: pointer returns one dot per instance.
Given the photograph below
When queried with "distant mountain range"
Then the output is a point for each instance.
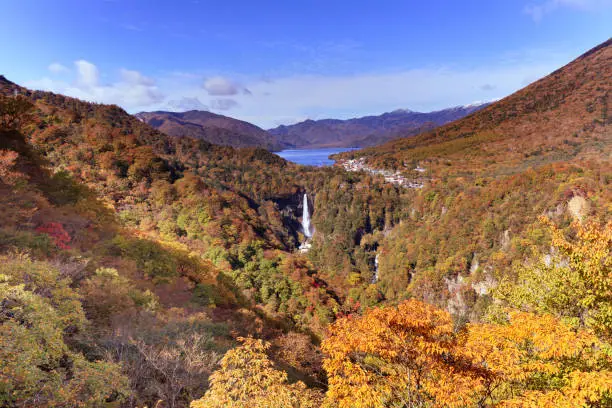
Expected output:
(358, 132)
(368, 130)
(213, 128)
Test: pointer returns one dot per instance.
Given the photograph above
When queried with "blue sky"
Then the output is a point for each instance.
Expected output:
(278, 62)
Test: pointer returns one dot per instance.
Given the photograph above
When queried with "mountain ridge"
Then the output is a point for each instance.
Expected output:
(211, 127)
(367, 130)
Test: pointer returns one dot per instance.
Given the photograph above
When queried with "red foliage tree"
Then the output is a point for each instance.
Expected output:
(56, 231)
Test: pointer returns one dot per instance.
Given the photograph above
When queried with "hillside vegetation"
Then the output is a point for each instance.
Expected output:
(489, 178)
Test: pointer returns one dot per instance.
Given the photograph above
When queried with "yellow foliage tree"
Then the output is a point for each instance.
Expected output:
(247, 378)
(575, 285)
(537, 361)
(590, 256)
(38, 368)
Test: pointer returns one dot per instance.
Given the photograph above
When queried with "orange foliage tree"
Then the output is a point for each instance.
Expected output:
(410, 356)
(537, 361)
(7, 162)
(404, 356)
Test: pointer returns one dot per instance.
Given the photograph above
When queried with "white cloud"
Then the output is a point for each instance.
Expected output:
(132, 89)
(87, 74)
(538, 10)
(57, 68)
(221, 86)
(424, 90)
(135, 77)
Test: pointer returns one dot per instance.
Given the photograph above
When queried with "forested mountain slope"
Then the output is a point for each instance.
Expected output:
(158, 237)
(213, 128)
(488, 178)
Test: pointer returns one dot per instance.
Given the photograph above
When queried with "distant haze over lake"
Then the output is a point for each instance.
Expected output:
(313, 157)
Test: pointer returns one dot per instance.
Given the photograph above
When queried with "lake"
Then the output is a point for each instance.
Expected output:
(312, 157)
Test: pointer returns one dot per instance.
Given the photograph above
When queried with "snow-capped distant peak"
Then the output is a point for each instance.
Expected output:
(402, 111)
(476, 104)
(473, 104)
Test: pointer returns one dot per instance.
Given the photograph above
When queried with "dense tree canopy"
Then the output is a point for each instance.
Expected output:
(38, 312)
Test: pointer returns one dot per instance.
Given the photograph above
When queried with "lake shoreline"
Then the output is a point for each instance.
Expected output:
(313, 157)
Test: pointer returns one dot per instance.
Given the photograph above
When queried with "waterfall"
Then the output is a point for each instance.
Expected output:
(375, 277)
(306, 218)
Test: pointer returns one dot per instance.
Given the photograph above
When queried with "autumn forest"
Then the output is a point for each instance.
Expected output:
(139, 269)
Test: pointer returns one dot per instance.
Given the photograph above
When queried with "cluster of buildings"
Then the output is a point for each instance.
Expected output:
(390, 177)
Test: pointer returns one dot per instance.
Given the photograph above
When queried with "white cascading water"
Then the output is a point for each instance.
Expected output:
(306, 218)
(375, 277)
